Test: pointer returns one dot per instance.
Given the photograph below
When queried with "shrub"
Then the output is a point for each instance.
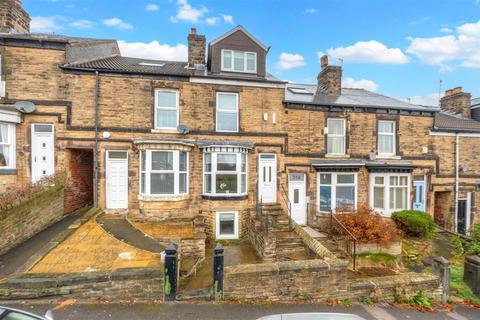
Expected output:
(473, 246)
(416, 223)
(368, 226)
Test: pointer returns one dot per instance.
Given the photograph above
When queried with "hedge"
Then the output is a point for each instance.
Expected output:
(416, 223)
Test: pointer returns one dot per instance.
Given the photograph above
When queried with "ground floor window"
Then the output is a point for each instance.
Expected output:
(163, 172)
(7, 145)
(227, 225)
(336, 190)
(225, 173)
(389, 192)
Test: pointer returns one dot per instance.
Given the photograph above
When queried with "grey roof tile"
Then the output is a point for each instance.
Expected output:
(445, 121)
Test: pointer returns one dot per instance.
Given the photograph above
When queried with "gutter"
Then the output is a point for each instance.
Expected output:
(457, 164)
(96, 152)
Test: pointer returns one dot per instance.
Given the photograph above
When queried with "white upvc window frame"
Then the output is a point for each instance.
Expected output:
(175, 170)
(386, 210)
(219, 236)
(213, 173)
(167, 108)
(11, 132)
(389, 134)
(232, 61)
(219, 110)
(333, 185)
(336, 135)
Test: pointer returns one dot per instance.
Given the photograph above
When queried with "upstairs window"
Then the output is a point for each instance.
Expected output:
(239, 61)
(386, 138)
(7, 146)
(227, 112)
(163, 172)
(166, 109)
(336, 136)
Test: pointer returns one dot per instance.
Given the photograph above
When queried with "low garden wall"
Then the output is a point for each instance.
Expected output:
(319, 280)
(264, 245)
(120, 284)
(26, 219)
(393, 248)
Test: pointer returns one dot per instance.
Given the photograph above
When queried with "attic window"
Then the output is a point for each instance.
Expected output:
(239, 61)
(299, 90)
(151, 64)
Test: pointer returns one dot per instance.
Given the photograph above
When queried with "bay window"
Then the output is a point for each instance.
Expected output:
(336, 136)
(239, 61)
(386, 138)
(166, 109)
(389, 192)
(227, 112)
(225, 173)
(7, 145)
(336, 190)
(163, 172)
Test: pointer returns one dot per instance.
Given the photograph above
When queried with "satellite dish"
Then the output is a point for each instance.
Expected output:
(183, 129)
(25, 106)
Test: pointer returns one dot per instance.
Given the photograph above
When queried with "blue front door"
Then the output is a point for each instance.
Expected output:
(419, 197)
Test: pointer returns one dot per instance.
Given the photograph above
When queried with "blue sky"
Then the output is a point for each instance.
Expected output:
(398, 48)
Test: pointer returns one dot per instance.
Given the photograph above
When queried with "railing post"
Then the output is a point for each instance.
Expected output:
(218, 264)
(289, 215)
(170, 277)
(354, 253)
(442, 266)
(331, 222)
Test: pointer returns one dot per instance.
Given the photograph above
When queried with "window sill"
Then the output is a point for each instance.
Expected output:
(165, 198)
(7, 171)
(225, 197)
(172, 130)
(329, 155)
(392, 157)
(232, 237)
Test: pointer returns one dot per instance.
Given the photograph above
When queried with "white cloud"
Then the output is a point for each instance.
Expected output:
(425, 100)
(212, 21)
(45, 24)
(369, 51)
(118, 23)
(461, 47)
(310, 10)
(82, 24)
(289, 61)
(446, 30)
(154, 50)
(360, 84)
(227, 18)
(188, 13)
(152, 7)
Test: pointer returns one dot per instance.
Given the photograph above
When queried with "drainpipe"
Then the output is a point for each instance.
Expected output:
(96, 155)
(457, 164)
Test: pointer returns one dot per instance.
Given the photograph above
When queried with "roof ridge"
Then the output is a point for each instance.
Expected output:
(75, 63)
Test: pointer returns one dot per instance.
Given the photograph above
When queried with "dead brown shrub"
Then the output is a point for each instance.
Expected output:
(369, 226)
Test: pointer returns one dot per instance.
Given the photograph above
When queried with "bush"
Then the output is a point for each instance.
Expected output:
(473, 246)
(416, 223)
(368, 226)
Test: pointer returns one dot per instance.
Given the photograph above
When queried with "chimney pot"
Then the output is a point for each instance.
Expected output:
(193, 30)
(324, 61)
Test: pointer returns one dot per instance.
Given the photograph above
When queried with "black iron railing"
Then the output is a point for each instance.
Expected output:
(343, 238)
(259, 211)
(288, 204)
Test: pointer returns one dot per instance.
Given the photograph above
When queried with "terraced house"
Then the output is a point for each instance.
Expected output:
(203, 143)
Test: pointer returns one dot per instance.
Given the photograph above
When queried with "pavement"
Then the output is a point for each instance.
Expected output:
(70, 310)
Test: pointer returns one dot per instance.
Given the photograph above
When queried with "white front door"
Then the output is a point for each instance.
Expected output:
(43, 153)
(267, 177)
(297, 197)
(117, 179)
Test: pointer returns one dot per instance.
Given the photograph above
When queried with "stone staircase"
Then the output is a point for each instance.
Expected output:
(288, 245)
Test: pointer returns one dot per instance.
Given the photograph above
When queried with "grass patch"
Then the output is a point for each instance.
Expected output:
(378, 257)
(462, 290)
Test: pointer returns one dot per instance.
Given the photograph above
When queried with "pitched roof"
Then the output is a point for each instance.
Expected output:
(242, 29)
(307, 94)
(446, 121)
(133, 65)
(475, 103)
(50, 37)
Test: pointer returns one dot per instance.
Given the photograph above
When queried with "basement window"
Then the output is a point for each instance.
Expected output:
(163, 173)
(227, 225)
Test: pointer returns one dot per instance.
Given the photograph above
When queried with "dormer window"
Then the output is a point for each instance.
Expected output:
(239, 61)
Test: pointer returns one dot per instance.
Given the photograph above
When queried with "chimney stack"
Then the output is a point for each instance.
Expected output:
(13, 18)
(330, 78)
(456, 101)
(196, 48)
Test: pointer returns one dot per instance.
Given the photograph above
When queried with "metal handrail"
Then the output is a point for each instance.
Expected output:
(346, 235)
(259, 211)
(289, 205)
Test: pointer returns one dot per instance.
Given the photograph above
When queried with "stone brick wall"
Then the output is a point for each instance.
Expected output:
(27, 219)
(292, 280)
(79, 192)
(116, 285)
(13, 17)
(264, 245)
